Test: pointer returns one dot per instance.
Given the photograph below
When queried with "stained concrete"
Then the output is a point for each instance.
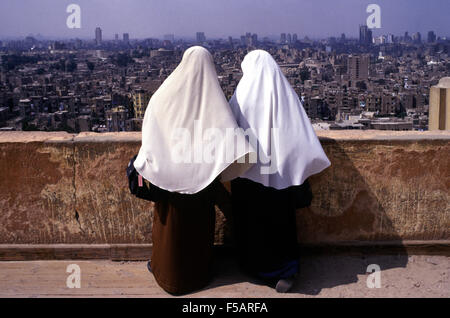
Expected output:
(59, 188)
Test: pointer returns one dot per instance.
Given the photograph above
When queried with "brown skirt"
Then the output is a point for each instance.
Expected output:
(183, 239)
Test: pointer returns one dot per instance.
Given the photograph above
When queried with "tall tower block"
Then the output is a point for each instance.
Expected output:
(439, 112)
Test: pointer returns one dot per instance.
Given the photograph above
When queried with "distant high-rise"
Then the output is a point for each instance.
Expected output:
(342, 37)
(126, 38)
(294, 38)
(358, 67)
(283, 38)
(431, 37)
(439, 111)
(200, 37)
(289, 38)
(390, 38)
(248, 38)
(78, 44)
(417, 37)
(365, 34)
(98, 36)
(407, 38)
(369, 36)
(116, 37)
(254, 39)
(362, 33)
(243, 40)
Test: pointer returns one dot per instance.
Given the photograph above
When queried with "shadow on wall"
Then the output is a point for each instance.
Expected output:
(344, 209)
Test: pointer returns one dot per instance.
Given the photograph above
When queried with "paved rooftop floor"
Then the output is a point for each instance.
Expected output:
(320, 276)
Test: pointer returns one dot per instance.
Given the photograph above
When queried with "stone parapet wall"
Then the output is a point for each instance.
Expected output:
(59, 188)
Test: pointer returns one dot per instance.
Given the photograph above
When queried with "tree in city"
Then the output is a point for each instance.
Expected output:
(361, 85)
(304, 74)
(122, 59)
(71, 66)
(90, 65)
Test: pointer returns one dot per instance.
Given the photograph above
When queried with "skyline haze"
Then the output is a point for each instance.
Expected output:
(218, 18)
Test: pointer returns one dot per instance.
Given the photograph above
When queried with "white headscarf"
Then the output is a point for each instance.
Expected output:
(189, 105)
(264, 100)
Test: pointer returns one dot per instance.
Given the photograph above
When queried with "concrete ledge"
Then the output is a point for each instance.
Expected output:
(409, 247)
(38, 136)
(59, 188)
(115, 252)
(142, 252)
(378, 135)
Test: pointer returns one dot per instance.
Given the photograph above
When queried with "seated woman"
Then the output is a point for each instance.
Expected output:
(178, 175)
(266, 196)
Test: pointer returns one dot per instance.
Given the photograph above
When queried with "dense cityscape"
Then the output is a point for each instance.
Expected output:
(104, 85)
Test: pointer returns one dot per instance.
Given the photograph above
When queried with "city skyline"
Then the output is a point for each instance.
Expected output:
(219, 19)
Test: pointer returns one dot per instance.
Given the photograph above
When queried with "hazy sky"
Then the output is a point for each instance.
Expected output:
(220, 18)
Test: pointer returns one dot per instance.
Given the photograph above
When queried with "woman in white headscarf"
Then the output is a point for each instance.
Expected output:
(266, 196)
(185, 153)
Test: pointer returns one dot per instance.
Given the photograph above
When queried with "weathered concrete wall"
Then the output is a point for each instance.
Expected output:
(381, 187)
(57, 188)
(60, 189)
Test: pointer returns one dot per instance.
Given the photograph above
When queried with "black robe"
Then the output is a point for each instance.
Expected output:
(265, 227)
(183, 236)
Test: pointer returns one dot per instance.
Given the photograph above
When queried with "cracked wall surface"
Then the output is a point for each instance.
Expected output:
(59, 188)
